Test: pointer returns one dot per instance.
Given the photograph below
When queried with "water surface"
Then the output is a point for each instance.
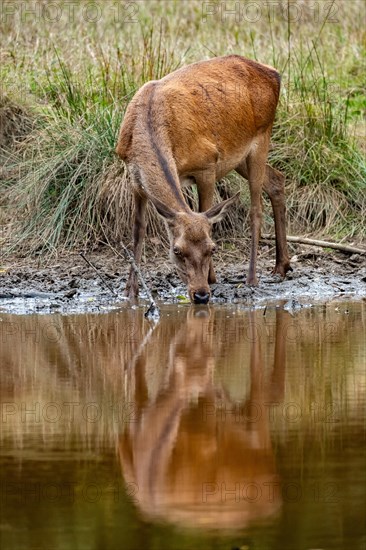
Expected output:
(216, 428)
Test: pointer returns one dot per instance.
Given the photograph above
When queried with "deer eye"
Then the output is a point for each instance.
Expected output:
(177, 251)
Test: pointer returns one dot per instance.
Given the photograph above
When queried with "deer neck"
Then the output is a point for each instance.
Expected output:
(159, 175)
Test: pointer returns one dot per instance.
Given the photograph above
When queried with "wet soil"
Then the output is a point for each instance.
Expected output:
(68, 284)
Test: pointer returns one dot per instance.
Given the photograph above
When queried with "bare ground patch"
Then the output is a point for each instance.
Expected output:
(67, 284)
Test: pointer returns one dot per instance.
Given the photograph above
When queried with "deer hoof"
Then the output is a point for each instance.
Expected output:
(132, 289)
(131, 294)
(281, 270)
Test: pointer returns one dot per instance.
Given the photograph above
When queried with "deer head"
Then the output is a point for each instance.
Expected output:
(191, 244)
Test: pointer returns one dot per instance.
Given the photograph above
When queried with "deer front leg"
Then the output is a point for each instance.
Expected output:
(139, 228)
(274, 186)
(206, 189)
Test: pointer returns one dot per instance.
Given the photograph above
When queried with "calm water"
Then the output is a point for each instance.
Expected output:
(217, 428)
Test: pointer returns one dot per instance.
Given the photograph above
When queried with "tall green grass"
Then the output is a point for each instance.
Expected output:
(61, 182)
(315, 149)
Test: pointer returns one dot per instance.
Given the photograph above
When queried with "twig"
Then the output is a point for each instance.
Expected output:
(323, 244)
(153, 310)
(111, 289)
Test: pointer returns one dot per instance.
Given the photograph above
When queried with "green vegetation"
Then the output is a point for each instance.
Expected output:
(68, 72)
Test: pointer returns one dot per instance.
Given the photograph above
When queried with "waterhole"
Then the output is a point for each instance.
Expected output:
(218, 427)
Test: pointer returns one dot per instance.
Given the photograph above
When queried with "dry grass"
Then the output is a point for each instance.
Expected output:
(15, 123)
(71, 80)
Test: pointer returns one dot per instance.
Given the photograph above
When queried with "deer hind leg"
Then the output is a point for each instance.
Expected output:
(139, 229)
(206, 188)
(274, 186)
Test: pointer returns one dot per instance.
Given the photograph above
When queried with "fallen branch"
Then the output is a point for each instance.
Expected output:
(153, 311)
(323, 244)
(99, 275)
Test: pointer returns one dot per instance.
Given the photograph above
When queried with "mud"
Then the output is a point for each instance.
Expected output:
(69, 285)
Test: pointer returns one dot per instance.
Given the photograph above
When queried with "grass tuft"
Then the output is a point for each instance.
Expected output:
(62, 185)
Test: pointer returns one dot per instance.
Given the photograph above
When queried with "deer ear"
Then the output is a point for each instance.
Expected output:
(217, 212)
(163, 209)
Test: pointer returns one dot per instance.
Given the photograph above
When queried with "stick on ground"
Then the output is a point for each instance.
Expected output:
(323, 244)
(153, 311)
(111, 289)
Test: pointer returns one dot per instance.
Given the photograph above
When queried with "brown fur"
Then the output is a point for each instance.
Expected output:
(196, 125)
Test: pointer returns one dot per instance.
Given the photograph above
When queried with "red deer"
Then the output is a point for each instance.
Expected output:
(195, 125)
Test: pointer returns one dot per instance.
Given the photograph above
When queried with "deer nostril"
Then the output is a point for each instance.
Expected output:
(201, 297)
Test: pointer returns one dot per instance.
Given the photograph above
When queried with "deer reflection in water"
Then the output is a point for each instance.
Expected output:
(197, 456)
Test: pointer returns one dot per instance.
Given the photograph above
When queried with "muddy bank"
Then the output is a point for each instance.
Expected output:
(69, 285)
